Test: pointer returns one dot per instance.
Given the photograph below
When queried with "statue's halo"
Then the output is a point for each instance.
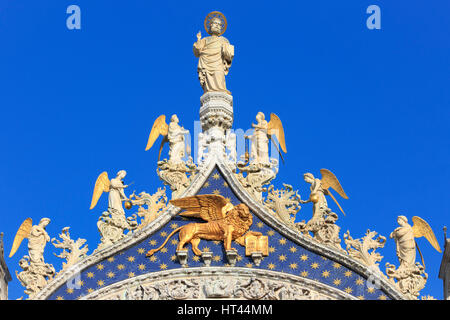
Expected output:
(219, 15)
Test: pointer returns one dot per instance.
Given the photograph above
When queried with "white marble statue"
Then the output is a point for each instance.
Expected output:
(259, 153)
(177, 144)
(215, 55)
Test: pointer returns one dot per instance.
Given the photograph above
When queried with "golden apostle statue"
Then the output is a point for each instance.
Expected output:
(215, 54)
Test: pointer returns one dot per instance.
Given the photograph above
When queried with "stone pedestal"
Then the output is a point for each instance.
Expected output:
(257, 258)
(232, 257)
(182, 256)
(207, 258)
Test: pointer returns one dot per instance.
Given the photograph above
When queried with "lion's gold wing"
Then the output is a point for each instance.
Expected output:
(22, 233)
(160, 127)
(422, 229)
(275, 127)
(101, 185)
(329, 180)
(207, 206)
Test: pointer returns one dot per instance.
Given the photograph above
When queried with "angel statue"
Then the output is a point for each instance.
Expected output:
(260, 139)
(115, 187)
(35, 272)
(410, 274)
(172, 133)
(322, 223)
(113, 222)
(215, 54)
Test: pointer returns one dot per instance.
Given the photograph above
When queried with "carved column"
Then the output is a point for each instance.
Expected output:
(216, 116)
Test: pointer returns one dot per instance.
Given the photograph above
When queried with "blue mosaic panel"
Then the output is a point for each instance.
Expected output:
(284, 256)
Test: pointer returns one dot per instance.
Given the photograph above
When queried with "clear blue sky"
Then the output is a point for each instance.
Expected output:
(370, 105)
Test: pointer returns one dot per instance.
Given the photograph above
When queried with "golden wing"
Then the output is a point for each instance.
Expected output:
(22, 233)
(330, 180)
(422, 229)
(160, 127)
(101, 185)
(275, 127)
(206, 206)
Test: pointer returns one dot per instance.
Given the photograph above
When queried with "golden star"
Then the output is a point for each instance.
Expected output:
(303, 257)
(348, 274)
(216, 176)
(100, 267)
(271, 266)
(120, 267)
(69, 290)
(100, 283)
(293, 249)
(337, 282)
(131, 259)
(141, 250)
(111, 259)
(110, 274)
(163, 266)
(348, 290)
(141, 267)
(90, 275)
(315, 265)
(130, 274)
(216, 192)
(371, 290)
(293, 266)
(304, 273)
(282, 257)
(325, 274)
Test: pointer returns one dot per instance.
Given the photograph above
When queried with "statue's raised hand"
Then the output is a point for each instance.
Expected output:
(199, 35)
